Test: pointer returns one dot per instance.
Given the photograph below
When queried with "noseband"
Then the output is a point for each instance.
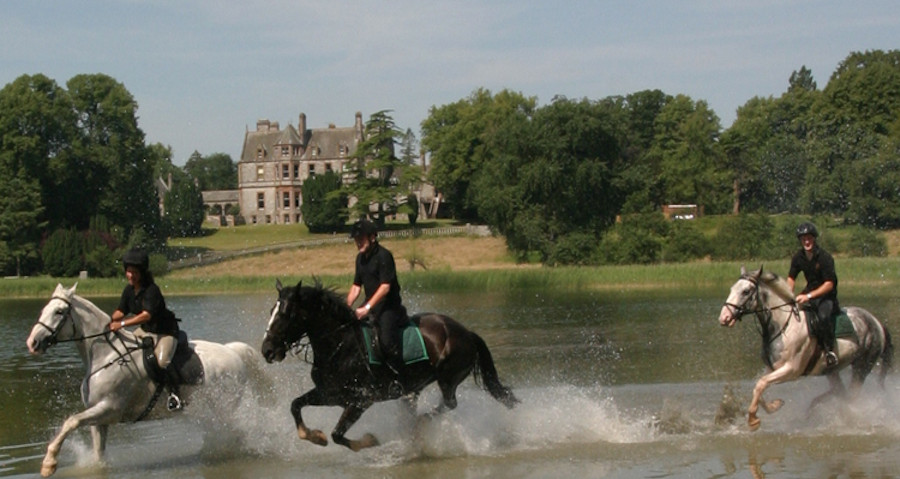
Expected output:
(763, 314)
(67, 318)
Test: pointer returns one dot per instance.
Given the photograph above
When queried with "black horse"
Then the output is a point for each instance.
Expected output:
(341, 370)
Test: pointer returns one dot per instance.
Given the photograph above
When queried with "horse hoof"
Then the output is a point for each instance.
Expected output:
(753, 422)
(318, 438)
(774, 406)
(48, 470)
(368, 440)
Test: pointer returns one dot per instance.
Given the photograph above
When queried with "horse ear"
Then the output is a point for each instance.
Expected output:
(278, 285)
(72, 289)
(743, 270)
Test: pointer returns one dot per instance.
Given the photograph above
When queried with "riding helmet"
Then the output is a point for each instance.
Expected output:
(363, 227)
(807, 228)
(136, 257)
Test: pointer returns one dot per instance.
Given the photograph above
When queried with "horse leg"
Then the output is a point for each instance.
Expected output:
(98, 435)
(836, 389)
(92, 415)
(779, 375)
(314, 436)
(448, 395)
(348, 418)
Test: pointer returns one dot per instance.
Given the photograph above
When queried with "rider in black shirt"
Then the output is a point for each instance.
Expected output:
(820, 293)
(142, 304)
(376, 275)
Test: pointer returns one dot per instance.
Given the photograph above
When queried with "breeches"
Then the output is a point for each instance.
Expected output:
(390, 328)
(164, 346)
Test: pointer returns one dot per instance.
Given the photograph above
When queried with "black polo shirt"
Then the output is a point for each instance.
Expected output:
(817, 270)
(373, 268)
(150, 299)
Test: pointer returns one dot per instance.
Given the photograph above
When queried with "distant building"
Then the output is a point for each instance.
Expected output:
(274, 164)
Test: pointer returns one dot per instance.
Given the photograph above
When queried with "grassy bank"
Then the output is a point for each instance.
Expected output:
(856, 274)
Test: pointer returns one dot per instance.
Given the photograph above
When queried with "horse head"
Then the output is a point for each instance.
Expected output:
(742, 298)
(282, 331)
(55, 323)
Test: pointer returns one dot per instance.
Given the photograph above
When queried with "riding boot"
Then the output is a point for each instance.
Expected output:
(174, 402)
(828, 343)
(397, 367)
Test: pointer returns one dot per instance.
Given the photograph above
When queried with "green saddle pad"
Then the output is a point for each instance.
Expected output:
(413, 345)
(843, 327)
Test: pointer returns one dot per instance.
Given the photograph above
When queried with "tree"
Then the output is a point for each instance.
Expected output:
(457, 137)
(62, 253)
(552, 176)
(687, 157)
(324, 207)
(214, 172)
(378, 175)
(108, 133)
(409, 148)
(21, 224)
(184, 208)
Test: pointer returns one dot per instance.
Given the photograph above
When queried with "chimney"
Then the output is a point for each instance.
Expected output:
(262, 125)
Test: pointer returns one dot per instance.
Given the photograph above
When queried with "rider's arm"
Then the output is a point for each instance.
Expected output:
(381, 292)
(119, 323)
(822, 290)
(353, 294)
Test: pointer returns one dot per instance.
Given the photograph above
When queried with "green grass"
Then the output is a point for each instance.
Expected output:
(855, 274)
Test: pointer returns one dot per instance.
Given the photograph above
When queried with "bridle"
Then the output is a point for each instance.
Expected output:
(301, 345)
(67, 318)
(763, 314)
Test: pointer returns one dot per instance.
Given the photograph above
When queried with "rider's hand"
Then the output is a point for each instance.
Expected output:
(803, 298)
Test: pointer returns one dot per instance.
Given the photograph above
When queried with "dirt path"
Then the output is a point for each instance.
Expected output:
(446, 254)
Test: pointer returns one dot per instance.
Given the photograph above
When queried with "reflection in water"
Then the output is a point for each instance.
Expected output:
(612, 385)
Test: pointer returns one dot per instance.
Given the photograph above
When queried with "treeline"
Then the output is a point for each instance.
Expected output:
(555, 179)
(79, 183)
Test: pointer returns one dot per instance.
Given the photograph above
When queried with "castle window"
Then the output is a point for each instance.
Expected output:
(312, 170)
(261, 201)
(327, 167)
(285, 151)
(296, 170)
(286, 171)
(286, 200)
(287, 219)
(260, 153)
(297, 197)
(260, 172)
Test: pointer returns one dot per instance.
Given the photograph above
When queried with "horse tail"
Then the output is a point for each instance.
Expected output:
(489, 377)
(887, 356)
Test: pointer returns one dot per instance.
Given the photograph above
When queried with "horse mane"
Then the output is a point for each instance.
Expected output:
(778, 285)
(332, 304)
(69, 295)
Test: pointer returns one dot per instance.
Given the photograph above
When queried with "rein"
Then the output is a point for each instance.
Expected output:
(763, 314)
(123, 357)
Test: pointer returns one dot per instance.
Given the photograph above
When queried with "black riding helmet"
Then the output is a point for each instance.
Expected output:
(807, 228)
(363, 228)
(138, 258)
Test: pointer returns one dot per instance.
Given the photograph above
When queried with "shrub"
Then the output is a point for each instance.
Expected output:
(62, 253)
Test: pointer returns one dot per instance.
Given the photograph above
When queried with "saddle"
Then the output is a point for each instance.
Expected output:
(186, 367)
(843, 327)
(412, 344)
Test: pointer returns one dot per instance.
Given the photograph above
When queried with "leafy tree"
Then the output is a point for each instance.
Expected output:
(20, 223)
(687, 157)
(184, 212)
(62, 253)
(552, 176)
(108, 132)
(214, 172)
(458, 135)
(324, 206)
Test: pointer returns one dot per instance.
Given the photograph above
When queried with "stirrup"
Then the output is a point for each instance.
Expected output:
(174, 403)
(831, 359)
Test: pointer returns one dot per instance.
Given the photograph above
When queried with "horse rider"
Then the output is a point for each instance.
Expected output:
(376, 274)
(820, 294)
(142, 304)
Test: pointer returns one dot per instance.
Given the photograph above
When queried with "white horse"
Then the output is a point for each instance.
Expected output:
(116, 386)
(788, 350)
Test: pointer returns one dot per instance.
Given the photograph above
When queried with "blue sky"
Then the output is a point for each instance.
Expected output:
(203, 72)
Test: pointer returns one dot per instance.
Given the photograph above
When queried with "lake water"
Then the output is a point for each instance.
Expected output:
(612, 384)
